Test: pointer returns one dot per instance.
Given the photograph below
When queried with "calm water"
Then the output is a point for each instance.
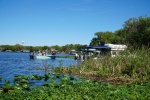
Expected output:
(12, 64)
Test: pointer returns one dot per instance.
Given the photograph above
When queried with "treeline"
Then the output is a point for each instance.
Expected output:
(19, 47)
(135, 33)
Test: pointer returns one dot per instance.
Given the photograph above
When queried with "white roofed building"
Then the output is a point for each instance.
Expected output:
(116, 48)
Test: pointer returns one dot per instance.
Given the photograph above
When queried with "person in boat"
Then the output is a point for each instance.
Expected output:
(39, 53)
(53, 53)
(46, 52)
(31, 55)
(43, 53)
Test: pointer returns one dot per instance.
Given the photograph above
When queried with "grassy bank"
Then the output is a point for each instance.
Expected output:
(127, 68)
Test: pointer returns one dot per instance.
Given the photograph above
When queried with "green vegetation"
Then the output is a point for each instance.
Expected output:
(123, 77)
(71, 88)
(135, 33)
(126, 68)
(19, 47)
(7, 87)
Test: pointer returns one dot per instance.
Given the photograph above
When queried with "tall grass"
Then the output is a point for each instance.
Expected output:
(133, 67)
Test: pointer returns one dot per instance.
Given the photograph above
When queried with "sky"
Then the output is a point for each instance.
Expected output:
(62, 22)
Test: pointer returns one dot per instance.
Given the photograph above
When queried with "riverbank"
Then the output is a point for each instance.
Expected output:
(125, 69)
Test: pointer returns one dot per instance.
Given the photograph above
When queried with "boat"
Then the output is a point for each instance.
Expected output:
(42, 57)
(52, 56)
(46, 57)
(116, 49)
(72, 52)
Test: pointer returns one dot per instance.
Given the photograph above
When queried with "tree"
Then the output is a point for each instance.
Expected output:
(102, 38)
(56, 47)
(94, 41)
(45, 48)
(137, 31)
(120, 36)
(18, 47)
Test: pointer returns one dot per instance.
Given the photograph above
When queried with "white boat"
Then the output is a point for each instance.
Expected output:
(42, 57)
(46, 57)
(72, 52)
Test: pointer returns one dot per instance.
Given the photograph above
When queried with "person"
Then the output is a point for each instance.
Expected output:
(31, 55)
(43, 53)
(76, 56)
(79, 57)
(39, 53)
(83, 55)
(46, 52)
(53, 53)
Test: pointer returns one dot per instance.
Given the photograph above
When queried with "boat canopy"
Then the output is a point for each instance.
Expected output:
(101, 47)
(116, 46)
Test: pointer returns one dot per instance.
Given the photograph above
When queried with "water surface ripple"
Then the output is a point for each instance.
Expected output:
(14, 63)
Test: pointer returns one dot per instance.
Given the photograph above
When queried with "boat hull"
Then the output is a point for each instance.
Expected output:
(42, 57)
(46, 57)
(52, 56)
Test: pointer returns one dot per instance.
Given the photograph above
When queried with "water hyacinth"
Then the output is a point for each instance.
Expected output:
(75, 88)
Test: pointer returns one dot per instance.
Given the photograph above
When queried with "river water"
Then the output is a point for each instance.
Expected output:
(14, 63)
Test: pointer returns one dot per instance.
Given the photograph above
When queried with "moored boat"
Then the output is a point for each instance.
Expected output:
(46, 57)
(52, 56)
(42, 57)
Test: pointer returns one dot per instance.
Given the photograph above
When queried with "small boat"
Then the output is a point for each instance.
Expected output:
(52, 56)
(72, 52)
(42, 57)
(46, 57)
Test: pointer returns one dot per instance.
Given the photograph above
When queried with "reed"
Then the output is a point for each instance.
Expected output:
(131, 66)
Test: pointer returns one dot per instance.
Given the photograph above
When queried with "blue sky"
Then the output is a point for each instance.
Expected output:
(61, 22)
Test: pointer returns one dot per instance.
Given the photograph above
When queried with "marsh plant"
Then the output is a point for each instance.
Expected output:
(7, 87)
(0, 79)
(133, 66)
(77, 89)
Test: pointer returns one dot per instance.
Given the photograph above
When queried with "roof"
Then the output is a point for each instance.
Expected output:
(116, 46)
(101, 47)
